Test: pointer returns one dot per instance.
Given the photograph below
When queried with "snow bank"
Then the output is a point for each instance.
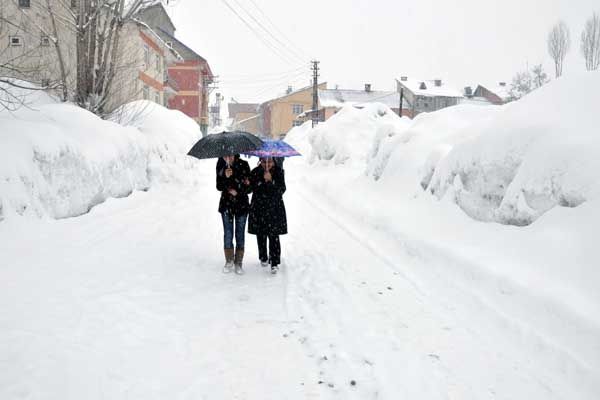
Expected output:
(532, 165)
(538, 153)
(410, 155)
(58, 160)
(508, 164)
(347, 136)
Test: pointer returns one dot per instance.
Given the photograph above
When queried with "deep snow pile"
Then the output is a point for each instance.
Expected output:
(538, 153)
(508, 164)
(58, 160)
(535, 161)
(348, 135)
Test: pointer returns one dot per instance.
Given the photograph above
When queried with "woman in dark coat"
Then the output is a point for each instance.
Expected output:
(233, 181)
(267, 212)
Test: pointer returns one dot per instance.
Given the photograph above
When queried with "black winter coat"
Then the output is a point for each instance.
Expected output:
(239, 204)
(267, 211)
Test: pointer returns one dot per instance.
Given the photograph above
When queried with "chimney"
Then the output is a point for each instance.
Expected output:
(289, 90)
(468, 91)
(438, 82)
(423, 86)
(403, 78)
(503, 84)
(367, 87)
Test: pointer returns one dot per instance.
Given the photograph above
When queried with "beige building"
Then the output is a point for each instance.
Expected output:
(27, 49)
(28, 52)
(278, 116)
(144, 61)
(245, 117)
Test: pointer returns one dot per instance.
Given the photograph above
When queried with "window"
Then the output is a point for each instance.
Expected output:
(146, 56)
(15, 41)
(297, 108)
(297, 123)
(146, 92)
(24, 3)
(73, 3)
(158, 64)
(45, 42)
(157, 97)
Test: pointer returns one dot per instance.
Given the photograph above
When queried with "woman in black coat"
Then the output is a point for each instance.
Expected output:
(267, 212)
(233, 181)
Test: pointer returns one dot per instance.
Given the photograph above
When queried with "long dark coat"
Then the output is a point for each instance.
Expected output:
(267, 211)
(239, 204)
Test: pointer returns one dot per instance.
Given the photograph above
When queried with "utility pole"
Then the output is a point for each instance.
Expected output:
(401, 101)
(215, 111)
(315, 100)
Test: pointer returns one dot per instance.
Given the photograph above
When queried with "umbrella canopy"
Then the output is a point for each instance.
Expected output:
(274, 148)
(225, 144)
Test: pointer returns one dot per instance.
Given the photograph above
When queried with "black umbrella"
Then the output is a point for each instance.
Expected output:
(225, 144)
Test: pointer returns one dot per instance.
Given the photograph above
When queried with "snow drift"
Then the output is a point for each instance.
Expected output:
(59, 160)
(538, 153)
(348, 135)
(508, 164)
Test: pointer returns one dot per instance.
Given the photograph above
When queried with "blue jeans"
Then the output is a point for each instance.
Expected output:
(228, 229)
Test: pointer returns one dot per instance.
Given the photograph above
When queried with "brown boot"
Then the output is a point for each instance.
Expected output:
(228, 267)
(239, 257)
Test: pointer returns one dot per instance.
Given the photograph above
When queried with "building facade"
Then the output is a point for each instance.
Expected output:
(189, 77)
(279, 115)
(332, 100)
(428, 95)
(245, 117)
(27, 48)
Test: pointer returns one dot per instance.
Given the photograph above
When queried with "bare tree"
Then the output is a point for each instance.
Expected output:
(590, 42)
(539, 76)
(28, 66)
(559, 42)
(527, 81)
(99, 29)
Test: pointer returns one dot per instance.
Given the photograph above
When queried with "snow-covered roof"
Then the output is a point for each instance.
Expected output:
(340, 97)
(498, 89)
(429, 88)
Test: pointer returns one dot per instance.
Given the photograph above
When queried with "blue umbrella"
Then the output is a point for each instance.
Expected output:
(273, 148)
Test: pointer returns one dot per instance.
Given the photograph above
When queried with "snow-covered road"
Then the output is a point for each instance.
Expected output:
(129, 302)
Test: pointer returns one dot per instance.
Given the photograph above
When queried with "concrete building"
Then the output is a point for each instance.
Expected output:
(144, 74)
(27, 51)
(190, 76)
(245, 117)
(332, 100)
(427, 95)
(279, 115)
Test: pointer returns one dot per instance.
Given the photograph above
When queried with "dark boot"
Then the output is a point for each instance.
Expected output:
(229, 258)
(239, 258)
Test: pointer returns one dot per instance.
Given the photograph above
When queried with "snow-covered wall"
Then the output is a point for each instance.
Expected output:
(58, 160)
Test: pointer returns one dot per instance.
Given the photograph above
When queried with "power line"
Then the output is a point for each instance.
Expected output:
(264, 79)
(275, 51)
(296, 48)
(268, 32)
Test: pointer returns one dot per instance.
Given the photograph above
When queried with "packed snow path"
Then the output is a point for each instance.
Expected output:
(129, 302)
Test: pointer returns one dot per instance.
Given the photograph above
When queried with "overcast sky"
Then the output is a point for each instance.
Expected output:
(357, 42)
